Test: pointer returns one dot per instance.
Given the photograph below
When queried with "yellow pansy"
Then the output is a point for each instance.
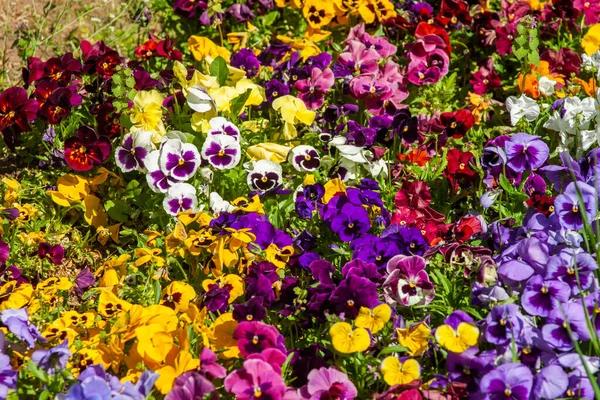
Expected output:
(591, 40)
(269, 151)
(346, 340)
(148, 255)
(237, 39)
(414, 338)
(31, 238)
(53, 284)
(11, 195)
(222, 332)
(178, 296)
(70, 189)
(153, 343)
(201, 47)
(459, 340)
(147, 112)
(252, 205)
(370, 10)
(59, 330)
(95, 215)
(396, 372)
(196, 318)
(182, 363)
(110, 305)
(76, 320)
(289, 3)
(318, 12)
(293, 111)
(373, 319)
(176, 238)
(279, 257)
(257, 93)
(15, 297)
(200, 241)
(304, 46)
(332, 188)
(111, 232)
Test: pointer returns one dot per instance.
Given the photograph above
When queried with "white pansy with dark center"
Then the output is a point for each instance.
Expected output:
(218, 205)
(304, 158)
(131, 155)
(179, 160)
(221, 151)
(220, 126)
(265, 175)
(180, 197)
(199, 100)
(158, 181)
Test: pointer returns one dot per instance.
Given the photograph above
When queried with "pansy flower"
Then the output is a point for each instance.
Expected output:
(304, 158)
(568, 208)
(157, 180)
(86, 150)
(179, 160)
(400, 371)
(407, 283)
(328, 383)
(347, 340)
(255, 336)
(264, 176)
(256, 380)
(133, 151)
(508, 381)
(54, 253)
(16, 109)
(221, 151)
(373, 319)
(180, 197)
(526, 152)
(313, 89)
(220, 126)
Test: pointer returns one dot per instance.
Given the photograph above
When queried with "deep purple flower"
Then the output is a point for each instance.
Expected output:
(567, 205)
(328, 383)
(84, 280)
(257, 380)
(275, 89)
(4, 251)
(375, 250)
(216, 299)
(353, 293)
(503, 324)
(17, 322)
(241, 12)
(134, 150)
(11, 273)
(322, 271)
(192, 385)
(466, 366)
(526, 152)
(54, 253)
(350, 222)
(541, 296)
(255, 336)
(9, 213)
(508, 381)
(245, 60)
(555, 331)
(53, 360)
(252, 310)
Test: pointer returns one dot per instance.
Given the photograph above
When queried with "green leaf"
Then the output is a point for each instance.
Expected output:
(520, 53)
(218, 69)
(117, 80)
(393, 349)
(505, 183)
(118, 91)
(117, 210)
(130, 82)
(237, 104)
(270, 18)
(534, 58)
(521, 40)
(37, 372)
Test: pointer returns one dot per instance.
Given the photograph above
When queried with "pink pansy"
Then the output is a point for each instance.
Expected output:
(313, 89)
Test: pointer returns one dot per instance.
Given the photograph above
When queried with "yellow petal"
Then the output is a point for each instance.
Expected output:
(398, 373)
(591, 40)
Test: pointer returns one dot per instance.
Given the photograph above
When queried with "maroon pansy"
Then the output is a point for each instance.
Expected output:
(54, 253)
(16, 109)
(86, 150)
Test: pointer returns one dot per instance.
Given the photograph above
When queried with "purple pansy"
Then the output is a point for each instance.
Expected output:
(133, 151)
(556, 331)
(255, 336)
(192, 385)
(264, 176)
(179, 160)
(503, 324)
(53, 360)
(221, 151)
(17, 322)
(353, 293)
(180, 197)
(562, 266)
(541, 296)
(508, 381)
(304, 158)
(526, 152)
(54, 253)
(350, 222)
(568, 207)
(8, 376)
(550, 383)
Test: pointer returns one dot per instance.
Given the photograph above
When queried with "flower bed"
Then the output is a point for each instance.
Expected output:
(307, 199)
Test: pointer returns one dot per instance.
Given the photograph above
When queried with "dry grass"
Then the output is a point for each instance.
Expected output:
(57, 26)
